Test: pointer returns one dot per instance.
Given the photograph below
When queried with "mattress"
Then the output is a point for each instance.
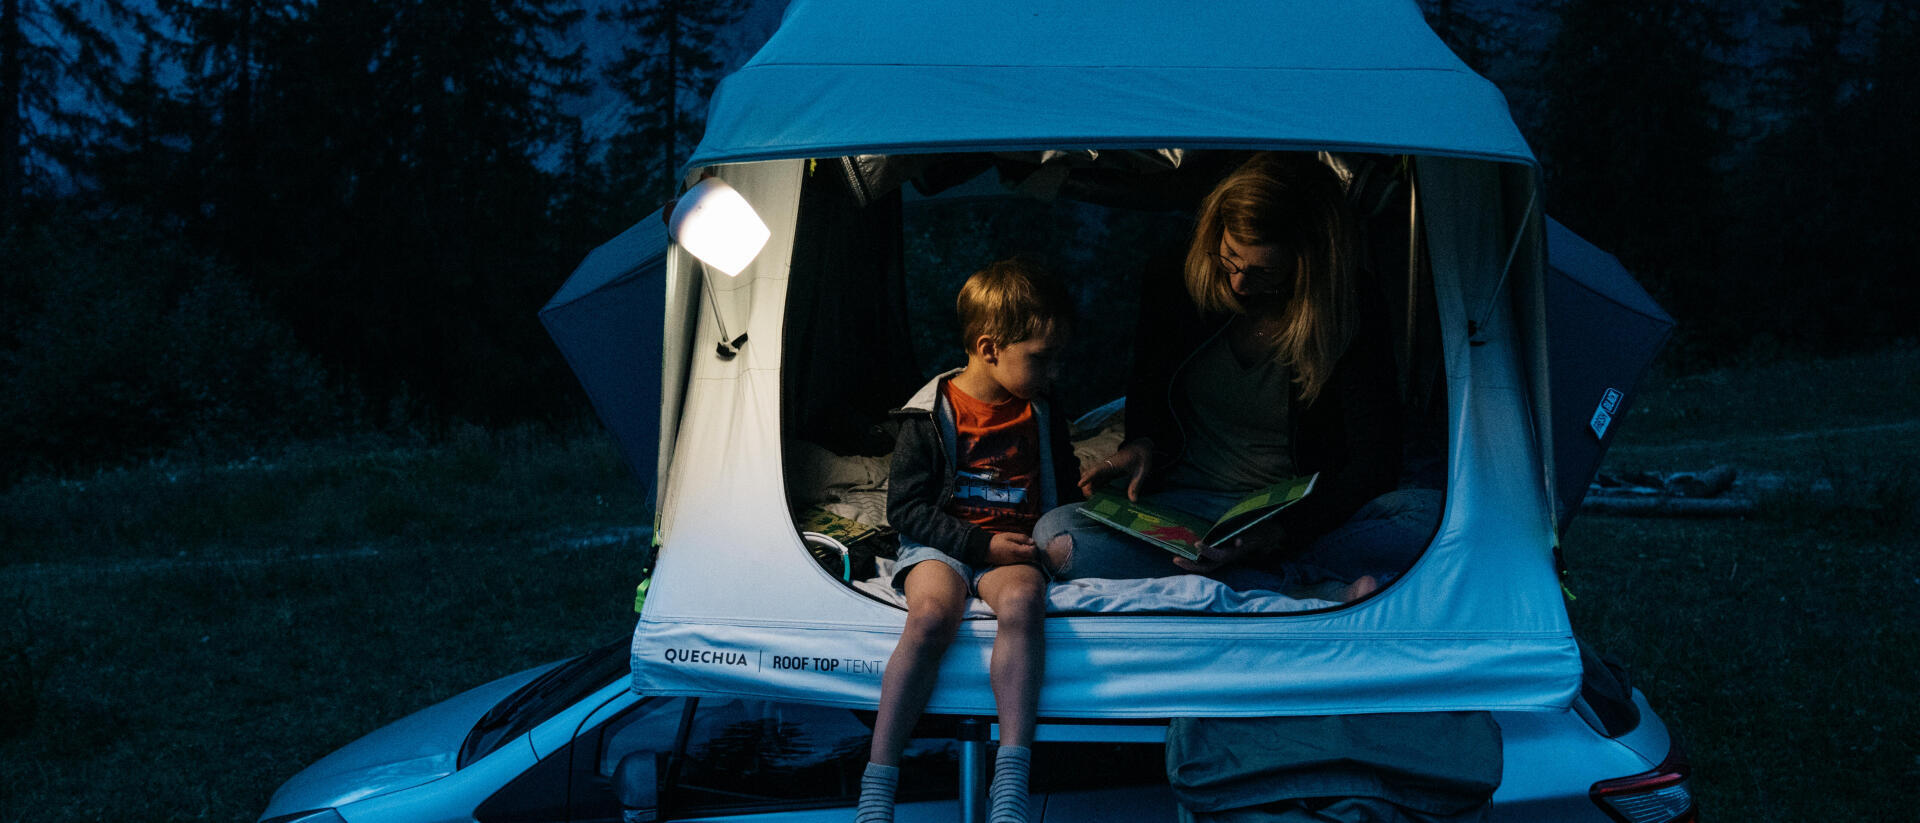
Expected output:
(855, 487)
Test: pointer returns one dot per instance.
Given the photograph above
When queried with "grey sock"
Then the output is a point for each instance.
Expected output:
(876, 794)
(1007, 800)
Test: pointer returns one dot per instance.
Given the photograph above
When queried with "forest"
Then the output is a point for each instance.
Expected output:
(228, 223)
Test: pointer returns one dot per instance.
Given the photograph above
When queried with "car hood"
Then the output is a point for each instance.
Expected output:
(416, 749)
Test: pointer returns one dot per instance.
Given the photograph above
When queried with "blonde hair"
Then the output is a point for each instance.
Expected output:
(1298, 205)
(1010, 301)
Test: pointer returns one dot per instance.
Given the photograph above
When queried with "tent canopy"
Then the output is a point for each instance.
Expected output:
(844, 77)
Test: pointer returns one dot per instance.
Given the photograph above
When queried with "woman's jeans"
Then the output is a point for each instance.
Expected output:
(1382, 539)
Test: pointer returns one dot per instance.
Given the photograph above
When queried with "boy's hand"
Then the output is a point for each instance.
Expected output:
(1132, 461)
(1008, 548)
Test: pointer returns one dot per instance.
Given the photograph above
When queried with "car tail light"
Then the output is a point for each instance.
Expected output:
(1658, 796)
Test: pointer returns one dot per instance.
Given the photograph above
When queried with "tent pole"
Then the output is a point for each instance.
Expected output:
(729, 345)
(1413, 284)
(1474, 328)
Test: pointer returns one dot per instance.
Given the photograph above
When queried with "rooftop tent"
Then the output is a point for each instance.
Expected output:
(738, 607)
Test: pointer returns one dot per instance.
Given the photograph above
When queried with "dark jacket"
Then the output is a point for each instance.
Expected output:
(922, 481)
(1350, 433)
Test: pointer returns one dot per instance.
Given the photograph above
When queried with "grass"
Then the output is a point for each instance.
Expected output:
(180, 639)
(1781, 645)
(177, 639)
(1801, 416)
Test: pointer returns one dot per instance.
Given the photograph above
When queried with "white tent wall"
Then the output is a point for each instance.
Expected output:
(1484, 243)
(724, 464)
(738, 607)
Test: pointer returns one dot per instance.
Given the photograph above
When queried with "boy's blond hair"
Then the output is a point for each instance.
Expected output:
(1010, 301)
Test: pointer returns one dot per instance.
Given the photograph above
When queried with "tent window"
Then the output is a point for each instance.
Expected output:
(870, 305)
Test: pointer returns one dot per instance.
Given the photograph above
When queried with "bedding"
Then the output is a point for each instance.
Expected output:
(855, 487)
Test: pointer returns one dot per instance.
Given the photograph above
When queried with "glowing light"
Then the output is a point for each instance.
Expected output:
(715, 224)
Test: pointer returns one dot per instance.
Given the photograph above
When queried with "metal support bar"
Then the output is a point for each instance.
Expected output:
(1476, 327)
(972, 735)
(729, 345)
(1409, 345)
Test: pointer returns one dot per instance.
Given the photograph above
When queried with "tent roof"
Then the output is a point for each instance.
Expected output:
(869, 76)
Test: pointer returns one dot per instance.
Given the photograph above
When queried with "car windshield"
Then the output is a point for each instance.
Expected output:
(543, 697)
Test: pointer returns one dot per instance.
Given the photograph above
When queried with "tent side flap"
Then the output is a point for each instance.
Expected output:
(1603, 331)
(606, 321)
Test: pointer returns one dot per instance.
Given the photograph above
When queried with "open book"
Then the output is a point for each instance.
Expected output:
(1183, 532)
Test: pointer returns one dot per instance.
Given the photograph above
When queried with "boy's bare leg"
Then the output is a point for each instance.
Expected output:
(1018, 595)
(936, 599)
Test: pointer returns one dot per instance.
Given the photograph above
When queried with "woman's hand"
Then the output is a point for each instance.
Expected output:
(1007, 549)
(1132, 461)
(1213, 557)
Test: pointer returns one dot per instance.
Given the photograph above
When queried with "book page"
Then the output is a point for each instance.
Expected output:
(1174, 530)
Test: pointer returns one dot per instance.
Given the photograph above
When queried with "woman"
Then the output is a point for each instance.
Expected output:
(1259, 364)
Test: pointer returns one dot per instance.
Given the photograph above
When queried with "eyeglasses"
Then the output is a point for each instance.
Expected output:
(1261, 274)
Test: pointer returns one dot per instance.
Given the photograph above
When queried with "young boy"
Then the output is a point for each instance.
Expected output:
(979, 459)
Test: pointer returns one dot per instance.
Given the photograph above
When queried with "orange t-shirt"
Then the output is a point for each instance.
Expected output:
(998, 484)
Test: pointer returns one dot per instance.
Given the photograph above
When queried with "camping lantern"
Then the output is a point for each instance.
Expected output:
(716, 225)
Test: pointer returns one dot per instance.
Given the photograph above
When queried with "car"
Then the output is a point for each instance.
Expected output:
(571, 741)
(824, 136)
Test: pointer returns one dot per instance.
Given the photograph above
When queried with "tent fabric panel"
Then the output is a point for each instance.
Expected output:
(677, 326)
(603, 319)
(1600, 349)
(1484, 222)
(611, 342)
(820, 111)
(1602, 332)
(1154, 673)
(1366, 74)
(722, 403)
(1573, 257)
(731, 550)
(642, 247)
(1364, 34)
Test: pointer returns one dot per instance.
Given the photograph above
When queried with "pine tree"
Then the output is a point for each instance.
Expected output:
(1493, 40)
(1820, 234)
(58, 69)
(1632, 130)
(12, 95)
(1817, 70)
(1867, 255)
(665, 78)
(140, 161)
(1474, 38)
(409, 223)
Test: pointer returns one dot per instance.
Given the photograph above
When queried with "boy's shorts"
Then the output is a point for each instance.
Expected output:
(913, 553)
